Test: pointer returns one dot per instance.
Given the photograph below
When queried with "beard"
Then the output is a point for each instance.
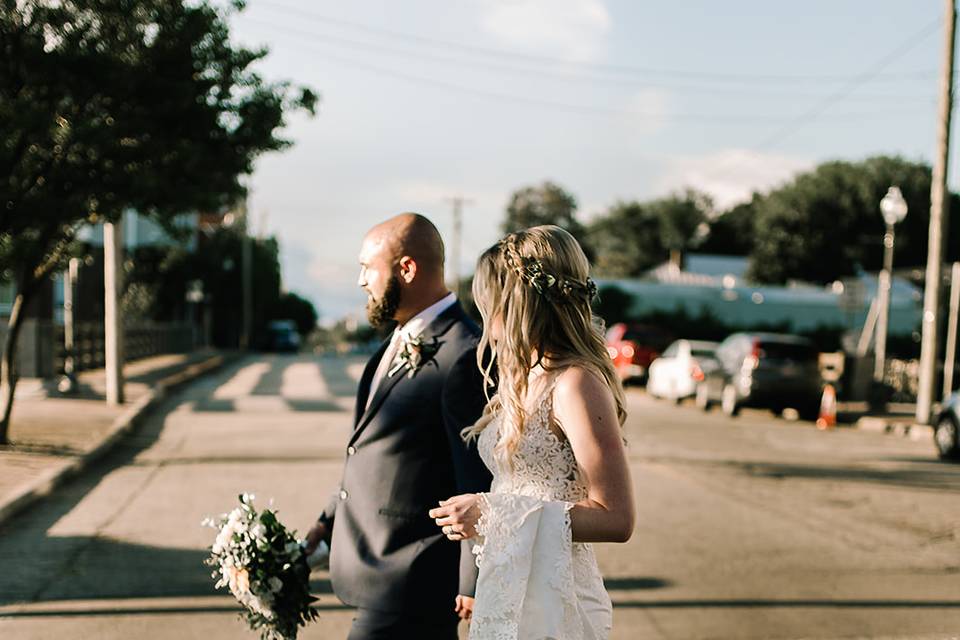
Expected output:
(381, 312)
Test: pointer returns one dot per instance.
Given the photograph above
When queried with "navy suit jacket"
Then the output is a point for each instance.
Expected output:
(405, 455)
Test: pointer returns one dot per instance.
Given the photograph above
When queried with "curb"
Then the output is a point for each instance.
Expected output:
(901, 428)
(122, 425)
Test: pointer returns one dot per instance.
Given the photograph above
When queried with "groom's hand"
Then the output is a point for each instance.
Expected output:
(464, 607)
(314, 536)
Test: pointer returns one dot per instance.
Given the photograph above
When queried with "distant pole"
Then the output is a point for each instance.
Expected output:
(880, 351)
(458, 203)
(113, 328)
(247, 275)
(939, 209)
(68, 382)
(950, 357)
(894, 210)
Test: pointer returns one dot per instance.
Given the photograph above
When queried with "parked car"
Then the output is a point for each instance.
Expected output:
(947, 429)
(766, 370)
(282, 335)
(633, 347)
(675, 374)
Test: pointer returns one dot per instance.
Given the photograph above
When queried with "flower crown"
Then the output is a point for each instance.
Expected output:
(552, 287)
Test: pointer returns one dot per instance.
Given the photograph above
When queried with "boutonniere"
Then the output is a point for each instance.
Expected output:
(413, 354)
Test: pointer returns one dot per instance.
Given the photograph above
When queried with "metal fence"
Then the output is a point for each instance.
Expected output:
(41, 353)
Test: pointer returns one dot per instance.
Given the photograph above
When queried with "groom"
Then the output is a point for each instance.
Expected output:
(418, 391)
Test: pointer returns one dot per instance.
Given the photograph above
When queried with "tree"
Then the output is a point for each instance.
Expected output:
(107, 105)
(290, 306)
(626, 241)
(682, 217)
(217, 265)
(633, 237)
(826, 224)
(546, 203)
(732, 233)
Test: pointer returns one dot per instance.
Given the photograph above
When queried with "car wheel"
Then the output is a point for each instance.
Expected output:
(728, 401)
(702, 398)
(946, 437)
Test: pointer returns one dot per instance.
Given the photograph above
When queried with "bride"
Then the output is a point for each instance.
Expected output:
(551, 436)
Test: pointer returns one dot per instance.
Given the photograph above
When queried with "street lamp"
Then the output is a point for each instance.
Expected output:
(894, 210)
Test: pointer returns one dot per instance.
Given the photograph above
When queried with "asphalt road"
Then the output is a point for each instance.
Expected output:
(748, 528)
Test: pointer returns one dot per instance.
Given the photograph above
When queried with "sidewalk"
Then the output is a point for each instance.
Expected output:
(53, 436)
(899, 419)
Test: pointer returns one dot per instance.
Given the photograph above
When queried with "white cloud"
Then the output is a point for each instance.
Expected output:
(730, 176)
(571, 29)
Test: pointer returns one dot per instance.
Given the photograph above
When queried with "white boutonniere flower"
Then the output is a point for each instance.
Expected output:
(413, 354)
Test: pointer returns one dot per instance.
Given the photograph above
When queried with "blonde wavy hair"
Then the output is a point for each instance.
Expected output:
(535, 284)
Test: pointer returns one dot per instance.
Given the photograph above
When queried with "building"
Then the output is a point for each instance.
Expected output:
(716, 285)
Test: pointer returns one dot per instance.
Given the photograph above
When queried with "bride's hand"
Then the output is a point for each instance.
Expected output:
(458, 516)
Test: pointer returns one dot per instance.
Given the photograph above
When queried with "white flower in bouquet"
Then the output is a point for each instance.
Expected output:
(262, 564)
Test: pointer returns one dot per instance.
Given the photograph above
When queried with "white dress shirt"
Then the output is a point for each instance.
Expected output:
(410, 329)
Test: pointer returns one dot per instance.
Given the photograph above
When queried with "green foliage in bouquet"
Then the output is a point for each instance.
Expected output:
(263, 565)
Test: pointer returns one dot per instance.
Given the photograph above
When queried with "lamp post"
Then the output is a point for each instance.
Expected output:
(894, 210)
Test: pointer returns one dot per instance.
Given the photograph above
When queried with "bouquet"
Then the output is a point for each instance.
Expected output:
(265, 568)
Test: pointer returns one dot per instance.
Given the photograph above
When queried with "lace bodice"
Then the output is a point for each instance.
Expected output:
(544, 466)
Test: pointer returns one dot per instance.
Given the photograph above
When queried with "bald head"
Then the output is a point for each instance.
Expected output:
(411, 234)
(401, 267)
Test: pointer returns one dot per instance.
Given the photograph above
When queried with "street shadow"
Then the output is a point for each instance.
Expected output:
(620, 584)
(922, 475)
(335, 372)
(270, 382)
(214, 405)
(33, 564)
(300, 405)
(748, 603)
(107, 569)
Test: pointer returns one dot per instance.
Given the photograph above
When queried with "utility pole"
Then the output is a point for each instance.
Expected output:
(113, 327)
(939, 204)
(247, 275)
(949, 359)
(458, 202)
(68, 384)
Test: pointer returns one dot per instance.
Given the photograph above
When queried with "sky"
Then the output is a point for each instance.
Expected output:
(423, 101)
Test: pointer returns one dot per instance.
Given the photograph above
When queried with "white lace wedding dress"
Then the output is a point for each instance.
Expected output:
(534, 582)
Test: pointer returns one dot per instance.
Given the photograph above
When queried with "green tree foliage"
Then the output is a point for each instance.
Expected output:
(290, 306)
(113, 104)
(681, 217)
(626, 241)
(633, 237)
(217, 264)
(733, 232)
(546, 203)
(826, 224)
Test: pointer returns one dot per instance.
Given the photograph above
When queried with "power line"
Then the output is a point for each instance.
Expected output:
(589, 110)
(596, 67)
(565, 76)
(816, 110)
(707, 118)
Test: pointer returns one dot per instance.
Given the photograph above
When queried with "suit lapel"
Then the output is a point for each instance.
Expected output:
(363, 390)
(434, 331)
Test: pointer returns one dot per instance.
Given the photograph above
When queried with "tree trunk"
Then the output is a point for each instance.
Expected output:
(8, 377)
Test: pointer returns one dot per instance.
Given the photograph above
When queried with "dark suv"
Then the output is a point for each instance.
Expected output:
(766, 370)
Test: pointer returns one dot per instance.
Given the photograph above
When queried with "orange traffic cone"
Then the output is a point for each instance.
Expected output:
(828, 408)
